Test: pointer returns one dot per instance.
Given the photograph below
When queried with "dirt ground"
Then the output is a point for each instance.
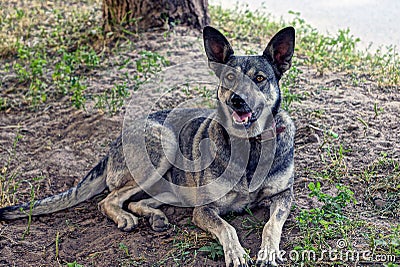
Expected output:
(61, 144)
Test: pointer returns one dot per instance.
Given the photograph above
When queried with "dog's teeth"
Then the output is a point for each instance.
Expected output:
(241, 118)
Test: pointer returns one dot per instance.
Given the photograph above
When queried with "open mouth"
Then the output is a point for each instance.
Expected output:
(245, 118)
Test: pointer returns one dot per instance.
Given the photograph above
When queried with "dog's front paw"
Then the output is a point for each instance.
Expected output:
(269, 257)
(236, 256)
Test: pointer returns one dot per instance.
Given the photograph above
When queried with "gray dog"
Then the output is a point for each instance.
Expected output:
(243, 149)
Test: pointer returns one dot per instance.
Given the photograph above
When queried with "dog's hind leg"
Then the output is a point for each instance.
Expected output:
(111, 206)
(148, 208)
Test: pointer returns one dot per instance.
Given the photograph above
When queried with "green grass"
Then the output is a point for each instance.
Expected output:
(337, 216)
(184, 247)
(71, 70)
(8, 182)
(336, 53)
(45, 62)
(62, 59)
(381, 179)
(252, 224)
(67, 25)
(328, 216)
(67, 73)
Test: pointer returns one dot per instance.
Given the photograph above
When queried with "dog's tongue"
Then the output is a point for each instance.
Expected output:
(241, 117)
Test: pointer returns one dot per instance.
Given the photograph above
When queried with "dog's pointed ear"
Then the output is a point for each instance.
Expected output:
(280, 49)
(217, 47)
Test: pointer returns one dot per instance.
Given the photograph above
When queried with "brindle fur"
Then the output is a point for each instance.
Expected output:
(112, 172)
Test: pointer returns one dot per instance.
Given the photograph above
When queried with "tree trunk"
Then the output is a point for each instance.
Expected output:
(147, 14)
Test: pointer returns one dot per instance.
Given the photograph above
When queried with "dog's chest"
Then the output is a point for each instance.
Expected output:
(238, 198)
(242, 195)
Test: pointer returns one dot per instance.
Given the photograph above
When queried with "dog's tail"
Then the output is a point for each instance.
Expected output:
(92, 184)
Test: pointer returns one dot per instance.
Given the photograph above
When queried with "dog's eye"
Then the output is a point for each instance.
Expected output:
(260, 78)
(230, 76)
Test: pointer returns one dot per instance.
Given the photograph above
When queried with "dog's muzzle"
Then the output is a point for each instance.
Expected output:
(242, 114)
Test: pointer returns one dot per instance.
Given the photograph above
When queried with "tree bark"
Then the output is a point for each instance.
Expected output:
(147, 14)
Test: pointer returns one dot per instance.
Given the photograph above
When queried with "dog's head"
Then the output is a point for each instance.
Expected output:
(248, 90)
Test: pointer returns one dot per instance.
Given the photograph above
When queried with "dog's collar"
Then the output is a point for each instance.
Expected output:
(270, 133)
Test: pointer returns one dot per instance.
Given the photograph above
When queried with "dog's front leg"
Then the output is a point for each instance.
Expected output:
(269, 255)
(208, 219)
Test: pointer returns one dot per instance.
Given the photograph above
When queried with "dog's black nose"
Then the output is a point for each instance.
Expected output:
(237, 102)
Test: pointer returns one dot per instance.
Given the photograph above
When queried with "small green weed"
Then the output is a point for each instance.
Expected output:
(332, 208)
(204, 92)
(214, 250)
(74, 264)
(333, 156)
(384, 66)
(386, 244)
(78, 97)
(186, 245)
(33, 190)
(128, 259)
(377, 110)
(150, 63)
(124, 248)
(336, 155)
(251, 223)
